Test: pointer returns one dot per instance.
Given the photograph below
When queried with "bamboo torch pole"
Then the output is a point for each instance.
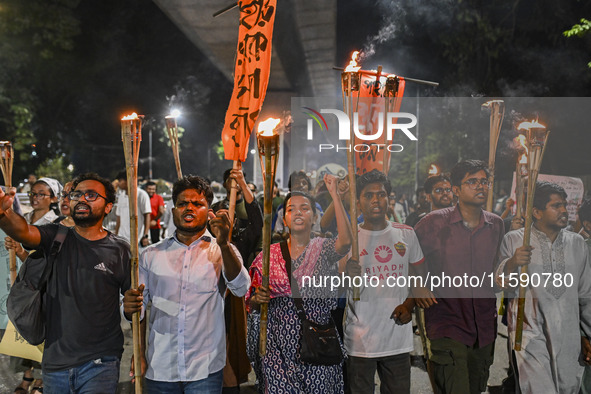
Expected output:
(520, 173)
(350, 83)
(237, 165)
(497, 113)
(519, 186)
(392, 84)
(6, 163)
(173, 136)
(268, 146)
(537, 136)
(131, 135)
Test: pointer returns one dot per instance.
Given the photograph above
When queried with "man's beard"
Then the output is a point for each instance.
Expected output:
(441, 205)
(190, 230)
(89, 220)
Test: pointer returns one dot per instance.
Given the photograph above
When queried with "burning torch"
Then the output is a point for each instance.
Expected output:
(536, 138)
(131, 135)
(268, 144)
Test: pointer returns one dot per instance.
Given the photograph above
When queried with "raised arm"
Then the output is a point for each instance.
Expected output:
(345, 238)
(238, 176)
(220, 227)
(14, 225)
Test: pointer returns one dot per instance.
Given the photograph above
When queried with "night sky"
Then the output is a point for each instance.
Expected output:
(128, 56)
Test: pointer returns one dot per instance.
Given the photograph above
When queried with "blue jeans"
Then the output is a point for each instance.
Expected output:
(100, 376)
(210, 385)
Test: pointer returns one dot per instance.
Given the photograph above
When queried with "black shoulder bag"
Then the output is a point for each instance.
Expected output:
(320, 343)
(25, 300)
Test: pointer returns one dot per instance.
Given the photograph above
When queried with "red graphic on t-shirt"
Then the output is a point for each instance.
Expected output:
(363, 253)
(383, 254)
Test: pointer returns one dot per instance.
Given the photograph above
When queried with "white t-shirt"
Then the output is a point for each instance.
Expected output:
(48, 218)
(143, 207)
(369, 330)
(167, 219)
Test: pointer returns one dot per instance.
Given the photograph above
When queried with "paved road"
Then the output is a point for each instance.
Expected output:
(420, 381)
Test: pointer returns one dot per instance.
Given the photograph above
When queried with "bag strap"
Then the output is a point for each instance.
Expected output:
(295, 290)
(56, 246)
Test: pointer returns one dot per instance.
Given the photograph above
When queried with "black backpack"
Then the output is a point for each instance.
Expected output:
(25, 300)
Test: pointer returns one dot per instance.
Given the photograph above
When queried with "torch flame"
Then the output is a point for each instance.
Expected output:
(267, 127)
(175, 113)
(130, 117)
(520, 140)
(352, 67)
(523, 159)
(530, 125)
(434, 170)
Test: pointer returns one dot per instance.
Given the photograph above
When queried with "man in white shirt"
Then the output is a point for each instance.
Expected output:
(122, 226)
(377, 333)
(557, 300)
(181, 277)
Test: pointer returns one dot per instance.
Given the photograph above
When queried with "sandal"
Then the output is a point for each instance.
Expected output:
(22, 390)
(38, 388)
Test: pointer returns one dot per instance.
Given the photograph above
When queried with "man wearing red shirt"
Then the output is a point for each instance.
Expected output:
(157, 204)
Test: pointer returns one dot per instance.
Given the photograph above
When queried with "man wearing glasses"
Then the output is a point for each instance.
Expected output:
(439, 193)
(458, 242)
(84, 341)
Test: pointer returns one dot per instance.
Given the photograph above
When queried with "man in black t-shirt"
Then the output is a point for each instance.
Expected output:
(84, 341)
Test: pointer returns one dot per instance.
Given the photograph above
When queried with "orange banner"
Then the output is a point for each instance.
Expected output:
(376, 99)
(251, 76)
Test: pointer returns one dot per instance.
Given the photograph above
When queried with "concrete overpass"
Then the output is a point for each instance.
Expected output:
(304, 52)
(304, 41)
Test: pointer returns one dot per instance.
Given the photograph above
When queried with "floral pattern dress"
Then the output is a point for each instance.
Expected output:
(281, 370)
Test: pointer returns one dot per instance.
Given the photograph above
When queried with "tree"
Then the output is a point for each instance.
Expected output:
(33, 36)
(579, 30)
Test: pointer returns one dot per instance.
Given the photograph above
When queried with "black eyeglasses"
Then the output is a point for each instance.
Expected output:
(37, 195)
(441, 190)
(65, 195)
(89, 195)
(473, 183)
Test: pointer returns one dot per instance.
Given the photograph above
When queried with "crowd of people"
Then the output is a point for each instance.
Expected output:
(204, 302)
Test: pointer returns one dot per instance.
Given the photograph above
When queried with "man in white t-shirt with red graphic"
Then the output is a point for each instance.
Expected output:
(377, 333)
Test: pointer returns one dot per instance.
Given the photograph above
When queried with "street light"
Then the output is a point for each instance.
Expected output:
(173, 136)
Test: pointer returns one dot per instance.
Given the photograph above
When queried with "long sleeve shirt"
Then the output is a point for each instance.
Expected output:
(467, 314)
(186, 323)
(557, 304)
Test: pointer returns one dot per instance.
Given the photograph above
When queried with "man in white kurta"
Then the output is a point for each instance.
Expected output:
(549, 361)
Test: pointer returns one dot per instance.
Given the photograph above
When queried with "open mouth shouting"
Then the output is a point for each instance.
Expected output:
(188, 217)
(298, 220)
(376, 209)
(81, 209)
